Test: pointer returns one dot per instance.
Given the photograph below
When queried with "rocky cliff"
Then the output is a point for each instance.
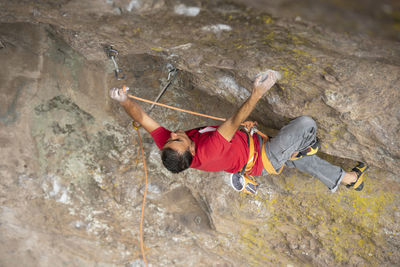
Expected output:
(72, 177)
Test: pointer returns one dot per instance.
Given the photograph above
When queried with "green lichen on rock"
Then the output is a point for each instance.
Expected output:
(308, 220)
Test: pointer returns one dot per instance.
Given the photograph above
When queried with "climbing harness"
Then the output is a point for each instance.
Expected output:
(112, 54)
(242, 181)
(251, 128)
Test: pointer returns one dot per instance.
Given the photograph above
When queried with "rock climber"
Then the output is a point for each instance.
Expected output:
(226, 148)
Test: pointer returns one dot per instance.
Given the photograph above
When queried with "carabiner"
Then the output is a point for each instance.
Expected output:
(111, 52)
(136, 125)
(117, 73)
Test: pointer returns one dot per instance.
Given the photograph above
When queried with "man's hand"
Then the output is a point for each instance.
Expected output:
(133, 109)
(119, 94)
(264, 81)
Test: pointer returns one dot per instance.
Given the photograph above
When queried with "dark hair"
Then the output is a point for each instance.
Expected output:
(174, 161)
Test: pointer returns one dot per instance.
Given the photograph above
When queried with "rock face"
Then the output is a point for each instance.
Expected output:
(72, 177)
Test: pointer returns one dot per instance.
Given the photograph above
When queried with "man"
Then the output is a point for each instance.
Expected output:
(225, 148)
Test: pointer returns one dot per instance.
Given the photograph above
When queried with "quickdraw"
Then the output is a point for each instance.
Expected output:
(112, 54)
(172, 71)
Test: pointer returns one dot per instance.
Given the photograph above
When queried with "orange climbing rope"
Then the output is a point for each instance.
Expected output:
(175, 108)
(144, 195)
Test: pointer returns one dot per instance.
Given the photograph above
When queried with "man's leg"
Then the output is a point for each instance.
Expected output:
(297, 136)
(327, 173)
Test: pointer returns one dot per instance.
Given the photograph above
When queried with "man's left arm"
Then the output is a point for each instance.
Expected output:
(133, 109)
(230, 126)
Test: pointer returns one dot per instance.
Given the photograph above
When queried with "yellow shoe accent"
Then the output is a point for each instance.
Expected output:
(360, 169)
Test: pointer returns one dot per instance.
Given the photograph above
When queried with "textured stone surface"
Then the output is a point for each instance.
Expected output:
(71, 172)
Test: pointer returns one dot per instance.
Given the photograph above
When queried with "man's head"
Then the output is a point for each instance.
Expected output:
(177, 153)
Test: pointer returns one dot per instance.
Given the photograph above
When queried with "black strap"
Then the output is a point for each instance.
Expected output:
(357, 170)
(248, 144)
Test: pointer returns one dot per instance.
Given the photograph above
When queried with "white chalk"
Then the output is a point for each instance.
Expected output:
(190, 11)
(264, 75)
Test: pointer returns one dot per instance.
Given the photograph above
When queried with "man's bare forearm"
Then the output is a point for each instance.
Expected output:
(241, 114)
(136, 112)
(133, 109)
(260, 87)
(245, 110)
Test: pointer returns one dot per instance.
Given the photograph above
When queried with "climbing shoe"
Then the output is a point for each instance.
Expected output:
(244, 183)
(360, 169)
(311, 150)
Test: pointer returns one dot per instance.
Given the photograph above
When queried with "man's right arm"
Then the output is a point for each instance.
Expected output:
(134, 110)
(260, 87)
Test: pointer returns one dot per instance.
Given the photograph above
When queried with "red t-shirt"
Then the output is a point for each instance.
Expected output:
(213, 152)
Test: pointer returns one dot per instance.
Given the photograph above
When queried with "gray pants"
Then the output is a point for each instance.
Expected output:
(294, 137)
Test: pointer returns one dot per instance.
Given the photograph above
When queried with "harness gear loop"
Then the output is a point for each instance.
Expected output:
(250, 126)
